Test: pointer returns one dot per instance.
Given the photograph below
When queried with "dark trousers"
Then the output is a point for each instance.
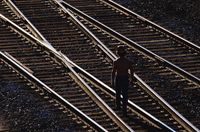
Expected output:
(121, 87)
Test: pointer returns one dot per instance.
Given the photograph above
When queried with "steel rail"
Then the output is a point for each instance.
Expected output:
(135, 46)
(14, 63)
(133, 14)
(18, 62)
(64, 60)
(170, 109)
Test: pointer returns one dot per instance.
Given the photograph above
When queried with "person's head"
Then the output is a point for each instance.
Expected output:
(121, 51)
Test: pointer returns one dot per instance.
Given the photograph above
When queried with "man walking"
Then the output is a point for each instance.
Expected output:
(120, 78)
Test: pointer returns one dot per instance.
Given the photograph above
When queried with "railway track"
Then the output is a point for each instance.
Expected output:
(38, 61)
(26, 105)
(93, 65)
(68, 45)
(170, 85)
(52, 75)
(147, 34)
